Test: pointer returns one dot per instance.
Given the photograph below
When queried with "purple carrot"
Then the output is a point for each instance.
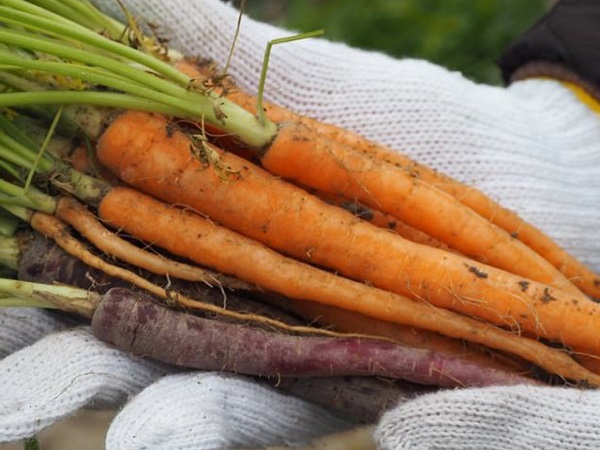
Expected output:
(135, 323)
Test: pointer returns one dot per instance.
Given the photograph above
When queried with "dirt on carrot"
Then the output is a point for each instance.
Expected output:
(573, 269)
(286, 218)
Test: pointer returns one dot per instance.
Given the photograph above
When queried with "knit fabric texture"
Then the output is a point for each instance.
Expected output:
(532, 146)
(515, 418)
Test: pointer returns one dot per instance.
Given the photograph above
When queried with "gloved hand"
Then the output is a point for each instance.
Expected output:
(518, 417)
(531, 146)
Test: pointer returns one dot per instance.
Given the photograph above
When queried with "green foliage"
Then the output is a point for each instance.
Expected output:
(465, 35)
(31, 444)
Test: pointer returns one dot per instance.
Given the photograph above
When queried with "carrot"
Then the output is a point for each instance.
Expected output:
(286, 218)
(573, 269)
(58, 266)
(81, 159)
(421, 205)
(82, 220)
(206, 243)
(385, 221)
(136, 323)
(53, 228)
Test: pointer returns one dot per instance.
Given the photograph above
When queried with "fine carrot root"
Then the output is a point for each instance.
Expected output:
(573, 269)
(284, 217)
(210, 245)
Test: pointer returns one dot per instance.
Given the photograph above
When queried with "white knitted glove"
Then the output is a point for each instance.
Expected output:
(532, 146)
(515, 418)
(61, 373)
(67, 370)
(216, 411)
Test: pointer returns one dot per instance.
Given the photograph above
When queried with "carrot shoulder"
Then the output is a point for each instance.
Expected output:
(144, 150)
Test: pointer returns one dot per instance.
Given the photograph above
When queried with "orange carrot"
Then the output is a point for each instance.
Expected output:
(580, 275)
(573, 269)
(84, 222)
(144, 151)
(53, 228)
(80, 161)
(386, 221)
(207, 243)
(351, 174)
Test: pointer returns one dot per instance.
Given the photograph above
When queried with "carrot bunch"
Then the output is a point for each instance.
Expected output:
(196, 173)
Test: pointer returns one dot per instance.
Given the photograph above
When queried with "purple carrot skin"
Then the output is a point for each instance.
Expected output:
(362, 399)
(135, 323)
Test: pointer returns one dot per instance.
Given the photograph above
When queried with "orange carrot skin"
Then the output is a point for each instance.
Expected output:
(142, 150)
(353, 175)
(573, 269)
(383, 220)
(206, 243)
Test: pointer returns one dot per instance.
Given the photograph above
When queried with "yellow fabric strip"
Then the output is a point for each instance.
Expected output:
(583, 96)
(580, 93)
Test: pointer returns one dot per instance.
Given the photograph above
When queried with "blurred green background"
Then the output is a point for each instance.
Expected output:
(465, 35)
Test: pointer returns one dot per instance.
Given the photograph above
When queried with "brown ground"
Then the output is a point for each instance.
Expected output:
(85, 431)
